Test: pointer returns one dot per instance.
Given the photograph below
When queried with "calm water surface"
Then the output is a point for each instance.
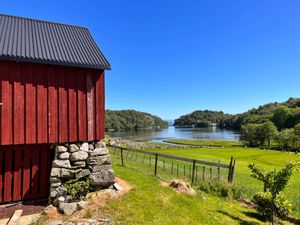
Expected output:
(179, 133)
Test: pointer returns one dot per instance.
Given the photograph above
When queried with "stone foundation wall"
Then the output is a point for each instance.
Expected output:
(79, 162)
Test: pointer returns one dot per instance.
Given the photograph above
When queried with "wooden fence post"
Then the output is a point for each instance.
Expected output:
(172, 168)
(219, 175)
(155, 170)
(122, 157)
(203, 173)
(193, 173)
(232, 172)
(229, 170)
(210, 172)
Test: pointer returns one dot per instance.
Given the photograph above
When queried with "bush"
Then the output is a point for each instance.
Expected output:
(264, 203)
(77, 188)
(222, 189)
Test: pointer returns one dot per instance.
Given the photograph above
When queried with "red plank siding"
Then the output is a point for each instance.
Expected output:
(18, 104)
(35, 170)
(26, 172)
(82, 107)
(6, 108)
(8, 176)
(52, 106)
(49, 104)
(71, 79)
(90, 106)
(17, 173)
(100, 106)
(42, 124)
(63, 106)
(1, 175)
(44, 181)
(30, 104)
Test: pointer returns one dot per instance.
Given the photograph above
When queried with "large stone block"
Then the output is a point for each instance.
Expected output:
(98, 152)
(100, 144)
(64, 155)
(79, 164)
(68, 208)
(61, 149)
(55, 172)
(73, 148)
(61, 163)
(102, 179)
(99, 160)
(67, 173)
(84, 147)
(82, 173)
(79, 156)
(98, 168)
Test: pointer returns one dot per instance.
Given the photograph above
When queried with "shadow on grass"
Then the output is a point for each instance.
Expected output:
(255, 215)
(241, 221)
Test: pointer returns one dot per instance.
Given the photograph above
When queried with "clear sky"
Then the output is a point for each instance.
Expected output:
(171, 57)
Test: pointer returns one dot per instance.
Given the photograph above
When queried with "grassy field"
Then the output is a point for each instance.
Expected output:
(150, 203)
(263, 158)
(213, 143)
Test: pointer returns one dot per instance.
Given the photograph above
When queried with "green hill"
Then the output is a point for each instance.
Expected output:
(132, 120)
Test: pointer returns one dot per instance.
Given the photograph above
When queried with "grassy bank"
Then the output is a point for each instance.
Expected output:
(150, 203)
(266, 159)
(213, 143)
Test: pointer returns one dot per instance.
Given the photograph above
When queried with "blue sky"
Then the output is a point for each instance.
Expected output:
(171, 57)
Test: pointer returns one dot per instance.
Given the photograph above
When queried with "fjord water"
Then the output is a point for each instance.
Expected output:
(179, 133)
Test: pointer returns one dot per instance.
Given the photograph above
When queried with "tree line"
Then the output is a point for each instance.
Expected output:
(132, 120)
(273, 125)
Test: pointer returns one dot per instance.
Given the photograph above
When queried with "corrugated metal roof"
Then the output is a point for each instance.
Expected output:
(29, 40)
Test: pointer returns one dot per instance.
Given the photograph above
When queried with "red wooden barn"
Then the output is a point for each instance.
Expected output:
(51, 91)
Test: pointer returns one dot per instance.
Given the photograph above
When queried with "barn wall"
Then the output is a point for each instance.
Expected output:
(50, 104)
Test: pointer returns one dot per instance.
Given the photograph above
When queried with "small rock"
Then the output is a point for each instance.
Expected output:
(61, 199)
(55, 180)
(55, 172)
(55, 185)
(68, 208)
(64, 155)
(73, 148)
(57, 192)
(79, 156)
(84, 147)
(117, 187)
(91, 147)
(61, 163)
(61, 149)
(99, 152)
(82, 204)
(82, 173)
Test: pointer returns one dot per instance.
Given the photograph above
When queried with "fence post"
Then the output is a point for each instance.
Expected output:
(172, 168)
(193, 173)
(210, 172)
(122, 157)
(219, 176)
(229, 170)
(232, 172)
(203, 173)
(155, 170)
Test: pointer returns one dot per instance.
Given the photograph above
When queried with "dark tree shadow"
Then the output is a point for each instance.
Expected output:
(241, 221)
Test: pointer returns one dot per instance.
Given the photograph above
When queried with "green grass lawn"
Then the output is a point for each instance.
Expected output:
(263, 158)
(150, 203)
(214, 143)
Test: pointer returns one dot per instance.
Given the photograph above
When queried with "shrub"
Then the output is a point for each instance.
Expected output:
(271, 202)
(264, 203)
(77, 188)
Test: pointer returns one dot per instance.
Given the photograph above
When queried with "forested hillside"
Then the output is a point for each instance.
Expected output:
(202, 118)
(132, 120)
(273, 123)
